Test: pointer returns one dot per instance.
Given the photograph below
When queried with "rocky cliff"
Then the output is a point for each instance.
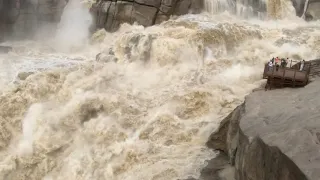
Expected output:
(27, 17)
(110, 14)
(313, 10)
(261, 136)
(30, 17)
(308, 9)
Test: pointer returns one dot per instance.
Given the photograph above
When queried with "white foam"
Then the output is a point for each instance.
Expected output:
(147, 116)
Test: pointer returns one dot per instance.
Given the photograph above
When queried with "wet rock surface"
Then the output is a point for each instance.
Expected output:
(273, 135)
(25, 18)
(36, 18)
(217, 169)
(299, 6)
(110, 14)
(288, 118)
(313, 11)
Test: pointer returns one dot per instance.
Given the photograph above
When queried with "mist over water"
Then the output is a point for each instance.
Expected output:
(73, 31)
(146, 116)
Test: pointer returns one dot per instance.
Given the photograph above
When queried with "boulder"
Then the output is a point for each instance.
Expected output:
(273, 135)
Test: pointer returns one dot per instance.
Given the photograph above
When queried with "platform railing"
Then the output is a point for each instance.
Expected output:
(296, 68)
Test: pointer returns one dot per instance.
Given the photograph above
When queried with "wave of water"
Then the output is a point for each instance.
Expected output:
(146, 116)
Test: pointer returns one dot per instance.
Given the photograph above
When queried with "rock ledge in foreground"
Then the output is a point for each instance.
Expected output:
(251, 158)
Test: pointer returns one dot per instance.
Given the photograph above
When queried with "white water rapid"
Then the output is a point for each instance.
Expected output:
(146, 116)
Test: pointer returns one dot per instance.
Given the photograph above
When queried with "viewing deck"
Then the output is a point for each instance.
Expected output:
(287, 76)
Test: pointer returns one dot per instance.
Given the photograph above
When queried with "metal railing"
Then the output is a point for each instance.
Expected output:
(295, 68)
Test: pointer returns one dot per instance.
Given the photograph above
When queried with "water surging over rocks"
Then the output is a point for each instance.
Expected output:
(113, 121)
(149, 114)
(262, 9)
(181, 34)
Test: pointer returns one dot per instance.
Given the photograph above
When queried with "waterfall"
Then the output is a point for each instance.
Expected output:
(306, 4)
(216, 6)
(243, 8)
(273, 9)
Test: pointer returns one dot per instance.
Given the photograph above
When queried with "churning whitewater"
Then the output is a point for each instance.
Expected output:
(146, 108)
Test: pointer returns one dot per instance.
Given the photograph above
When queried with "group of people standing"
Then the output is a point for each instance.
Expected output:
(277, 62)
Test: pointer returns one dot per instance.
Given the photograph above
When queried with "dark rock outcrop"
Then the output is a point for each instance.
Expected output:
(23, 18)
(217, 169)
(299, 6)
(109, 14)
(309, 11)
(9, 12)
(315, 68)
(272, 135)
(313, 10)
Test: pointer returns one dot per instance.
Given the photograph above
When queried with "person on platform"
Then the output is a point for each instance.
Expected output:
(283, 61)
(277, 60)
(286, 62)
(270, 65)
(277, 63)
(302, 65)
(272, 60)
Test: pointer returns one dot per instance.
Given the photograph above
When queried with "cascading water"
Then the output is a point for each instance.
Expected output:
(217, 6)
(243, 8)
(261, 9)
(279, 9)
(73, 31)
(305, 9)
(147, 115)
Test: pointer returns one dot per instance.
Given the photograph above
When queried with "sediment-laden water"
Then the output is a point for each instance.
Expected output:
(147, 115)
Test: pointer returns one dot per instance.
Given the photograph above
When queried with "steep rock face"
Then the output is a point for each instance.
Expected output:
(9, 12)
(261, 136)
(24, 18)
(299, 6)
(110, 14)
(313, 11)
(288, 118)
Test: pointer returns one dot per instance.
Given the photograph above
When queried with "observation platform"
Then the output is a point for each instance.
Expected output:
(287, 76)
